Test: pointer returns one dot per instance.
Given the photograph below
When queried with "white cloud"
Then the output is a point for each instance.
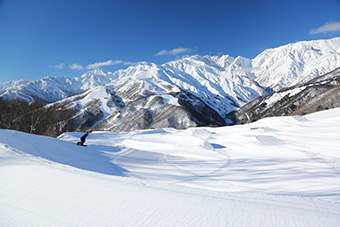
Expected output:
(332, 26)
(162, 52)
(105, 63)
(76, 66)
(131, 63)
(175, 51)
(60, 66)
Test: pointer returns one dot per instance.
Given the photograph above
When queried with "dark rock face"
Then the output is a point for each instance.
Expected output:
(201, 113)
(134, 105)
(114, 99)
(154, 112)
(136, 108)
(91, 115)
(317, 94)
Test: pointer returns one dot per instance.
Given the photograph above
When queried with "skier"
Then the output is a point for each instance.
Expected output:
(82, 139)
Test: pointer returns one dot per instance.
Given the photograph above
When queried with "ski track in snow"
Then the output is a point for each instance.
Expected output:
(275, 172)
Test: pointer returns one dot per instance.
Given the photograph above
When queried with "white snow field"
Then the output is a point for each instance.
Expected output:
(282, 171)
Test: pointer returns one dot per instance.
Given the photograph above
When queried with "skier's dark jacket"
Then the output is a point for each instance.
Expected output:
(84, 137)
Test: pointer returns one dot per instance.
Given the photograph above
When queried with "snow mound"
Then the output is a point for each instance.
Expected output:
(280, 171)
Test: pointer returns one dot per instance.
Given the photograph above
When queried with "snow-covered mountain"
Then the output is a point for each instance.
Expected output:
(221, 84)
(51, 89)
(317, 94)
(48, 89)
(296, 62)
(273, 68)
(139, 100)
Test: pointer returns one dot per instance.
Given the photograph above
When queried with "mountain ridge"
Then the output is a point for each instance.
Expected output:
(239, 66)
(304, 98)
(221, 83)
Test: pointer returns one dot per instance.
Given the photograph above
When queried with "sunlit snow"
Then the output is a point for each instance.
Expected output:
(282, 171)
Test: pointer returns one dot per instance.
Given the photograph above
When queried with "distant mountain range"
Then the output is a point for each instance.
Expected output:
(193, 91)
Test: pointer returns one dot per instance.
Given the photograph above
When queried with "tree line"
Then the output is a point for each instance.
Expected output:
(35, 117)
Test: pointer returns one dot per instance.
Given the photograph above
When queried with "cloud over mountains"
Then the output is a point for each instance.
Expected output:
(332, 26)
(175, 51)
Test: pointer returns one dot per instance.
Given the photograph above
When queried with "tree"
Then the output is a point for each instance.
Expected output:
(35, 117)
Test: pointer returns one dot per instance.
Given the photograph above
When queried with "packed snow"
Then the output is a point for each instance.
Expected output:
(282, 171)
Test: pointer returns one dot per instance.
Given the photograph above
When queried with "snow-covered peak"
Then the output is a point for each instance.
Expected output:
(296, 62)
(223, 61)
(93, 72)
(94, 78)
(48, 89)
(223, 82)
(196, 60)
(12, 84)
(222, 88)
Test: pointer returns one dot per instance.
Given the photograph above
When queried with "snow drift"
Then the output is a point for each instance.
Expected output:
(275, 172)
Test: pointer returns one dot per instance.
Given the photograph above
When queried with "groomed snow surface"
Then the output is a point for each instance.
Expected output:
(281, 171)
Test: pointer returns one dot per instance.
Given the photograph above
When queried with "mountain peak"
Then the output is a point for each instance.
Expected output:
(292, 63)
(93, 72)
(223, 83)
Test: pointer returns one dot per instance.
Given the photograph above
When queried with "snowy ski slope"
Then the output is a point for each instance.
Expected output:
(282, 171)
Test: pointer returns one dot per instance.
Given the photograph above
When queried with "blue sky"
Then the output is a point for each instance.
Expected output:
(41, 38)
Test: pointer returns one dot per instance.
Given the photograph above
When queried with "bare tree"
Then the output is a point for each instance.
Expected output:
(35, 117)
